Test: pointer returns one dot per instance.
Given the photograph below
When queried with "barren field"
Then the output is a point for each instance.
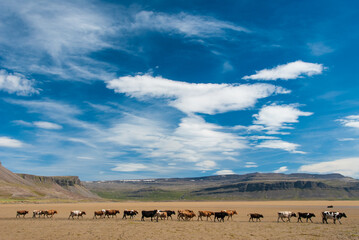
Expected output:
(87, 228)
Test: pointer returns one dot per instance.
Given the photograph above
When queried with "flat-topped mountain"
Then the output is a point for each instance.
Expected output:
(274, 186)
(30, 187)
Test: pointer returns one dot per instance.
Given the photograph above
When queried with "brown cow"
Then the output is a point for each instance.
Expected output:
(21, 212)
(77, 213)
(230, 213)
(256, 216)
(185, 215)
(160, 214)
(207, 214)
(112, 213)
(50, 213)
(98, 213)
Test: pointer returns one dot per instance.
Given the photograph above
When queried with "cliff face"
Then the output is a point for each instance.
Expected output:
(64, 181)
(25, 186)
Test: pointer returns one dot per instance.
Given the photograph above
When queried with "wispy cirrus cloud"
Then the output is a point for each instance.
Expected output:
(184, 23)
(288, 71)
(195, 98)
(350, 121)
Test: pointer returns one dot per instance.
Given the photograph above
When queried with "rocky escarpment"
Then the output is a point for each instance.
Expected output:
(64, 181)
(26, 187)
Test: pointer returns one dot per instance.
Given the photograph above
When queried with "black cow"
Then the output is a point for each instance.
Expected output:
(256, 216)
(306, 216)
(169, 213)
(130, 213)
(148, 214)
(220, 216)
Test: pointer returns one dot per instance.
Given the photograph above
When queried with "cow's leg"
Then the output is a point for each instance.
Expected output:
(334, 220)
(339, 221)
(278, 219)
(311, 220)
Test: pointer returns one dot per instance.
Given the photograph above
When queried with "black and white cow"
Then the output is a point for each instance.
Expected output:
(332, 215)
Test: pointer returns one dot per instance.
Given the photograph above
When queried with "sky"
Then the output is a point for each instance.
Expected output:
(154, 89)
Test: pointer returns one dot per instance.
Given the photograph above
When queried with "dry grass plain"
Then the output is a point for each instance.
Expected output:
(62, 228)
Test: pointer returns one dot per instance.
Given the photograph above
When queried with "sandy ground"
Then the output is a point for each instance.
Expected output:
(87, 228)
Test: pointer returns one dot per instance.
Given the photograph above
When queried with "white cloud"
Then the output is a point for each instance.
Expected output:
(279, 144)
(287, 71)
(194, 98)
(276, 117)
(10, 142)
(350, 121)
(319, 48)
(47, 125)
(130, 167)
(250, 165)
(193, 140)
(346, 166)
(281, 169)
(16, 83)
(225, 172)
(206, 165)
(346, 139)
(183, 23)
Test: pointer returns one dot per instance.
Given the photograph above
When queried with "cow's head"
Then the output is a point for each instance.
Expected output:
(343, 215)
(135, 212)
(311, 215)
(261, 216)
(83, 213)
(293, 215)
(235, 212)
(55, 212)
(117, 211)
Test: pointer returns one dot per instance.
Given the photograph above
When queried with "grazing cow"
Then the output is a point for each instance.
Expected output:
(98, 213)
(21, 212)
(130, 213)
(160, 214)
(207, 214)
(306, 216)
(220, 216)
(50, 213)
(148, 214)
(110, 212)
(286, 214)
(185, 215)
(230, 213)
(38, 213)
(330, 206)
(169, 213)
(77, 213)
(256, 216)
(332, 215)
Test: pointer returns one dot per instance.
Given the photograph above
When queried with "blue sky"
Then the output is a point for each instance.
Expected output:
(140, 89)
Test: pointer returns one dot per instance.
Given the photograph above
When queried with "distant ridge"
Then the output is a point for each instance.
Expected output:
(276, 186)
(30, 187)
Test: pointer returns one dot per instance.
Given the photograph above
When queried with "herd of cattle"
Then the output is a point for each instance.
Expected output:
(187, 215)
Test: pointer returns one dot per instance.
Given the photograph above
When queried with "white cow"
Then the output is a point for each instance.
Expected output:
(286, 214)
(332, 215)
(77, 213)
